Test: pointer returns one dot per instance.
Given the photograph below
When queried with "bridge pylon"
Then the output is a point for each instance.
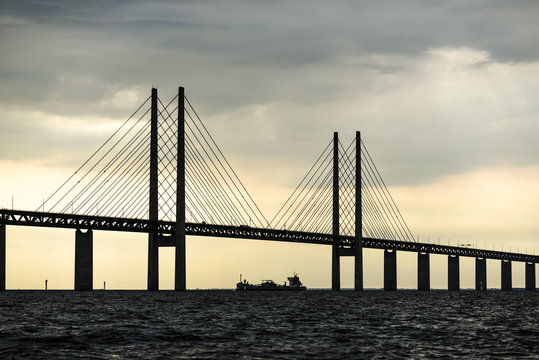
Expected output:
(337, 249)
(346, 206)
(179, 267)
(153, 247)
(154, 237)
(336, 260)
(358, 252)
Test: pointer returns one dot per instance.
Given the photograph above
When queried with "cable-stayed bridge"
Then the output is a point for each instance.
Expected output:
(162, 173)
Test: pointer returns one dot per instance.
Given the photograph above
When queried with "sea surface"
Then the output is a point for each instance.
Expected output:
(266, 325)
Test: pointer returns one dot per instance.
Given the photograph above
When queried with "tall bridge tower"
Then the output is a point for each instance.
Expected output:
(162, 173)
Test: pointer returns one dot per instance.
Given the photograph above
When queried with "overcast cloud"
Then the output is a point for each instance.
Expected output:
(437, 87)
(444, 92)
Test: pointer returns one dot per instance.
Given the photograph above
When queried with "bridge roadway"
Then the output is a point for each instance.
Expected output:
(167, 228)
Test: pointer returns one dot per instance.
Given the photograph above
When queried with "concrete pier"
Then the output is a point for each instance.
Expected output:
(453, 276)
(507, 284)
(84, 260)
(480, 274)
(153, 262)
(358, 265)
(390, 270)
(423, 271)
(530, 276)
(335, 268)
(2, 257)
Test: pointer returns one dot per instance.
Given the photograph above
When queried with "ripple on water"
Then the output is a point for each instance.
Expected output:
(312, 324)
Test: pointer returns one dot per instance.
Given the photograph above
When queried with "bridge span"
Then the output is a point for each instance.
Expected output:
(167, 229)
(151, 175)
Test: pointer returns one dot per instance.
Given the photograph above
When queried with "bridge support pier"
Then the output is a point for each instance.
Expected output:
(453, 276)
(530, 276)
(423, 271)
(153, 262)
(390, 270)
(480, 274)
(358, 266)
(3, 257)
(84, 260)
(335, 268)
(506, 275)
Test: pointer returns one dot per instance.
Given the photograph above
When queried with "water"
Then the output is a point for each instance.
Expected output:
(225, 324)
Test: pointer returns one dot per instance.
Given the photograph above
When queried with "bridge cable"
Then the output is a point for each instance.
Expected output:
(215, 190)
(396, 210)
(379, 200)
(306, 188)
(392, 200)
(382, 200)
(213, 181)
(121, 138)
(215, 166)
(301, 182)
(96, 177)
(318, 201)
(106, 168)
(215, 205)
(306, 194)
(90, 158)
(349, 182)
(323, 208)
(243, 186)
(318, 165)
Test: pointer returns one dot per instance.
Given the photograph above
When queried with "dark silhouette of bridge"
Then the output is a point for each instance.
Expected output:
(162, 173)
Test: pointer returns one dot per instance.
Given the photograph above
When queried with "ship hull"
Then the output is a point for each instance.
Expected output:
(294, 284)
(249, 287)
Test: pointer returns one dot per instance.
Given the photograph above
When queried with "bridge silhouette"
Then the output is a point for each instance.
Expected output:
(162, 173)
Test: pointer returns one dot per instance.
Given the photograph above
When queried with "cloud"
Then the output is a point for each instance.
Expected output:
(448, 111)
(487, 205)
(434, 86)
(443, 92)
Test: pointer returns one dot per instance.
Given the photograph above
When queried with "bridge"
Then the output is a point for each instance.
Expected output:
(162, 173)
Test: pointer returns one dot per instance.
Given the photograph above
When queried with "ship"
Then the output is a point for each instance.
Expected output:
(294, 284)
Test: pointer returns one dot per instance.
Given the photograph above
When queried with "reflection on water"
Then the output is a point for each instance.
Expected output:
(311, 324)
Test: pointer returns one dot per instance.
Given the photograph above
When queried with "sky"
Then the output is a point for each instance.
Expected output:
(444, 93)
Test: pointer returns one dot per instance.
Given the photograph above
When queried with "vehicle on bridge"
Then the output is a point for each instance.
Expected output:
(294, 284)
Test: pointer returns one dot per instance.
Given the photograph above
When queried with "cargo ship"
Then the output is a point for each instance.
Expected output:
(294, 284)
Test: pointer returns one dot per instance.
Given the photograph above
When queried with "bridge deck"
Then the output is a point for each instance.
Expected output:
(167, 228)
